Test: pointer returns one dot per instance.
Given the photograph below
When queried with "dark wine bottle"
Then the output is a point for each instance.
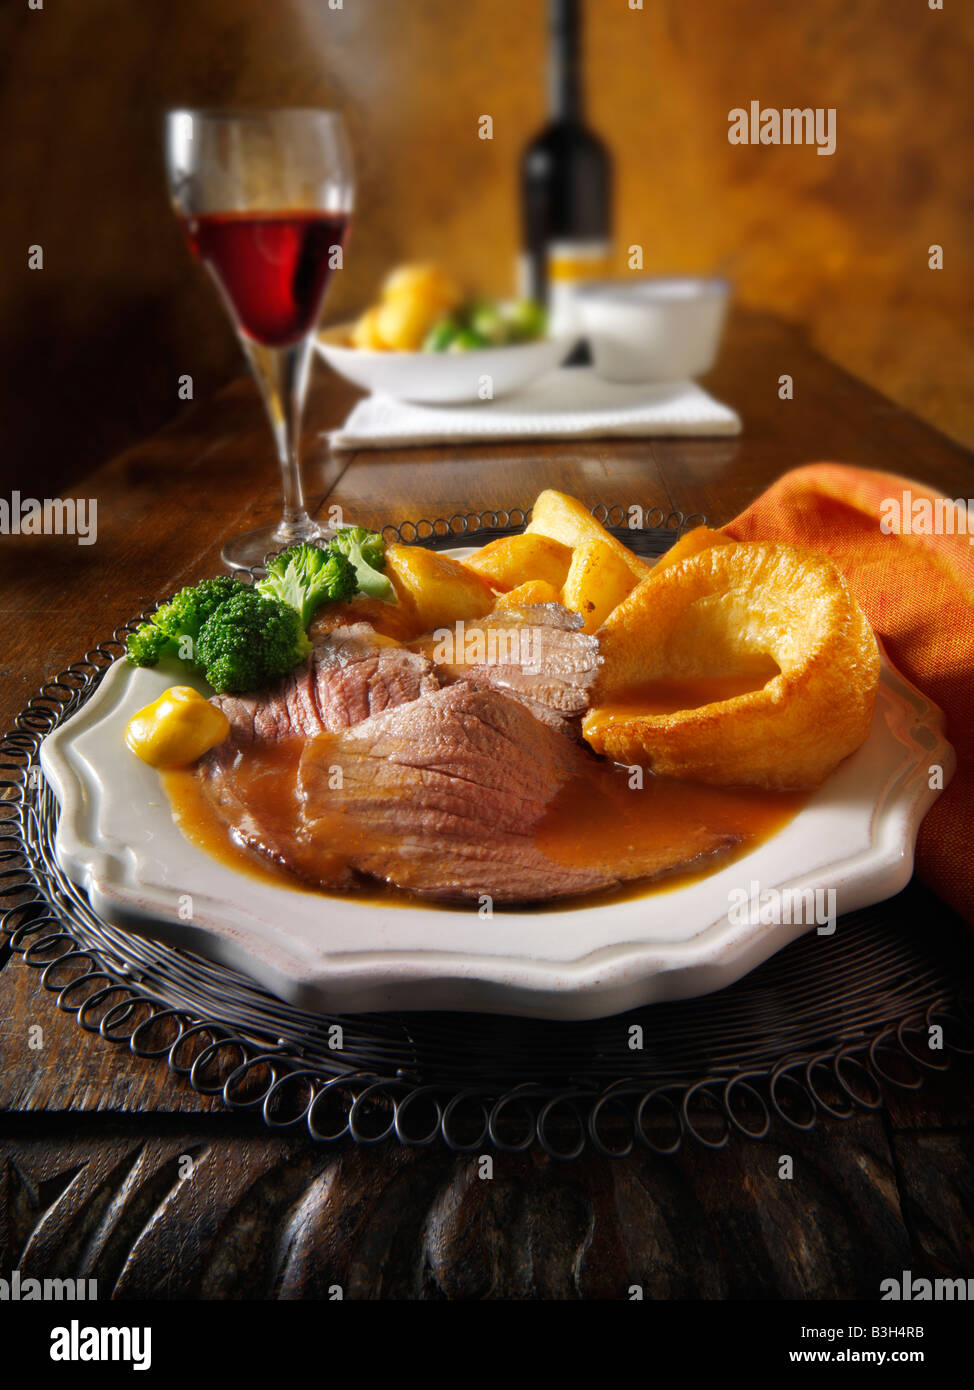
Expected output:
(566, 180)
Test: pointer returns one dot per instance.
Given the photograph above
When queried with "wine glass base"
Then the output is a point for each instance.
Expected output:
(248, 550)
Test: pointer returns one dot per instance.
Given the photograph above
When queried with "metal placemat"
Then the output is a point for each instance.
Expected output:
(811, 1032)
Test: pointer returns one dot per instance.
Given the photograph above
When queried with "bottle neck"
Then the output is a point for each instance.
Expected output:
(564, 60)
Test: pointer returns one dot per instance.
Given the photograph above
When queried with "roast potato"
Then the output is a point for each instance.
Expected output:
(365, 333)
(596, 583)
(512, 560)
(565, 519)
(425, 284)
(530, 592)
(440, 590)
(403, 323)
(413, 298)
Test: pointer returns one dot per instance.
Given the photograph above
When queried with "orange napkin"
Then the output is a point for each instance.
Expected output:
(918, 592)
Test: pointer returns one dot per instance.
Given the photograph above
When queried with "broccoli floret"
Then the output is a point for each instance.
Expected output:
(250, 640)
(147, 645)
(175, 626)
(367, 552)
(238, 638)
(306, 576)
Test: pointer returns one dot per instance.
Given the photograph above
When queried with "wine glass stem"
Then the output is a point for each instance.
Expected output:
(282, 374)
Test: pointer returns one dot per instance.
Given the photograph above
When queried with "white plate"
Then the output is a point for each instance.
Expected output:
(117, 839)
(445, 378)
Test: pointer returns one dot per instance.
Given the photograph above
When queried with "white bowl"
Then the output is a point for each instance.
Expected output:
(445, 378)
(663, 328)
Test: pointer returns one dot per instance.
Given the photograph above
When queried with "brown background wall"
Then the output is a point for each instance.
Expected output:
(97, 340)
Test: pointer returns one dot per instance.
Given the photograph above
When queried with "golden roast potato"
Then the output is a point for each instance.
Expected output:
(413, 298)
(565, 519)
(514, 560)
(532, 591)
(403, 323)
(597, 581)
(365, 332)
(424, 283)
(439, 590)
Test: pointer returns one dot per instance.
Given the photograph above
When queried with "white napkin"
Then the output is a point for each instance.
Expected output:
(568, 402)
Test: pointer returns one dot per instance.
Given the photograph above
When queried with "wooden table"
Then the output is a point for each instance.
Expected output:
(91, 1138)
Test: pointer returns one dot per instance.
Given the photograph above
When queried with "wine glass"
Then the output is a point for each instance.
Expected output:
(265, 198)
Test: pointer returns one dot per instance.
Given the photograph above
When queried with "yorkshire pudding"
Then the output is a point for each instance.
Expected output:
(775, 625)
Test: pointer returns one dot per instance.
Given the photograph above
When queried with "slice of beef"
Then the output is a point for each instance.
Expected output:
(255, 794)
(442, 797)
(360, 674)
(350, 674)
(536, 653)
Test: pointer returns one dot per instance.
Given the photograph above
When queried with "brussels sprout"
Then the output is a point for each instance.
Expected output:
(486, 318)
(441, 336)
(467, 340)
(526, 320)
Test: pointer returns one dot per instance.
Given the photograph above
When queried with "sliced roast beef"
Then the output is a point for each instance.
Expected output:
(536, 653)
(442, 797)
(359, 765)
(350, 674)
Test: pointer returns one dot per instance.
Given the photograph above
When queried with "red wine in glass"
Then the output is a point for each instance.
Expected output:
(265, 198)
(272, 268)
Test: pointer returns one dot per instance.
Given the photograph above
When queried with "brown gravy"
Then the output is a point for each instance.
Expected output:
(588, 821)
(269, 776)
(678, 693)
(596, 818)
